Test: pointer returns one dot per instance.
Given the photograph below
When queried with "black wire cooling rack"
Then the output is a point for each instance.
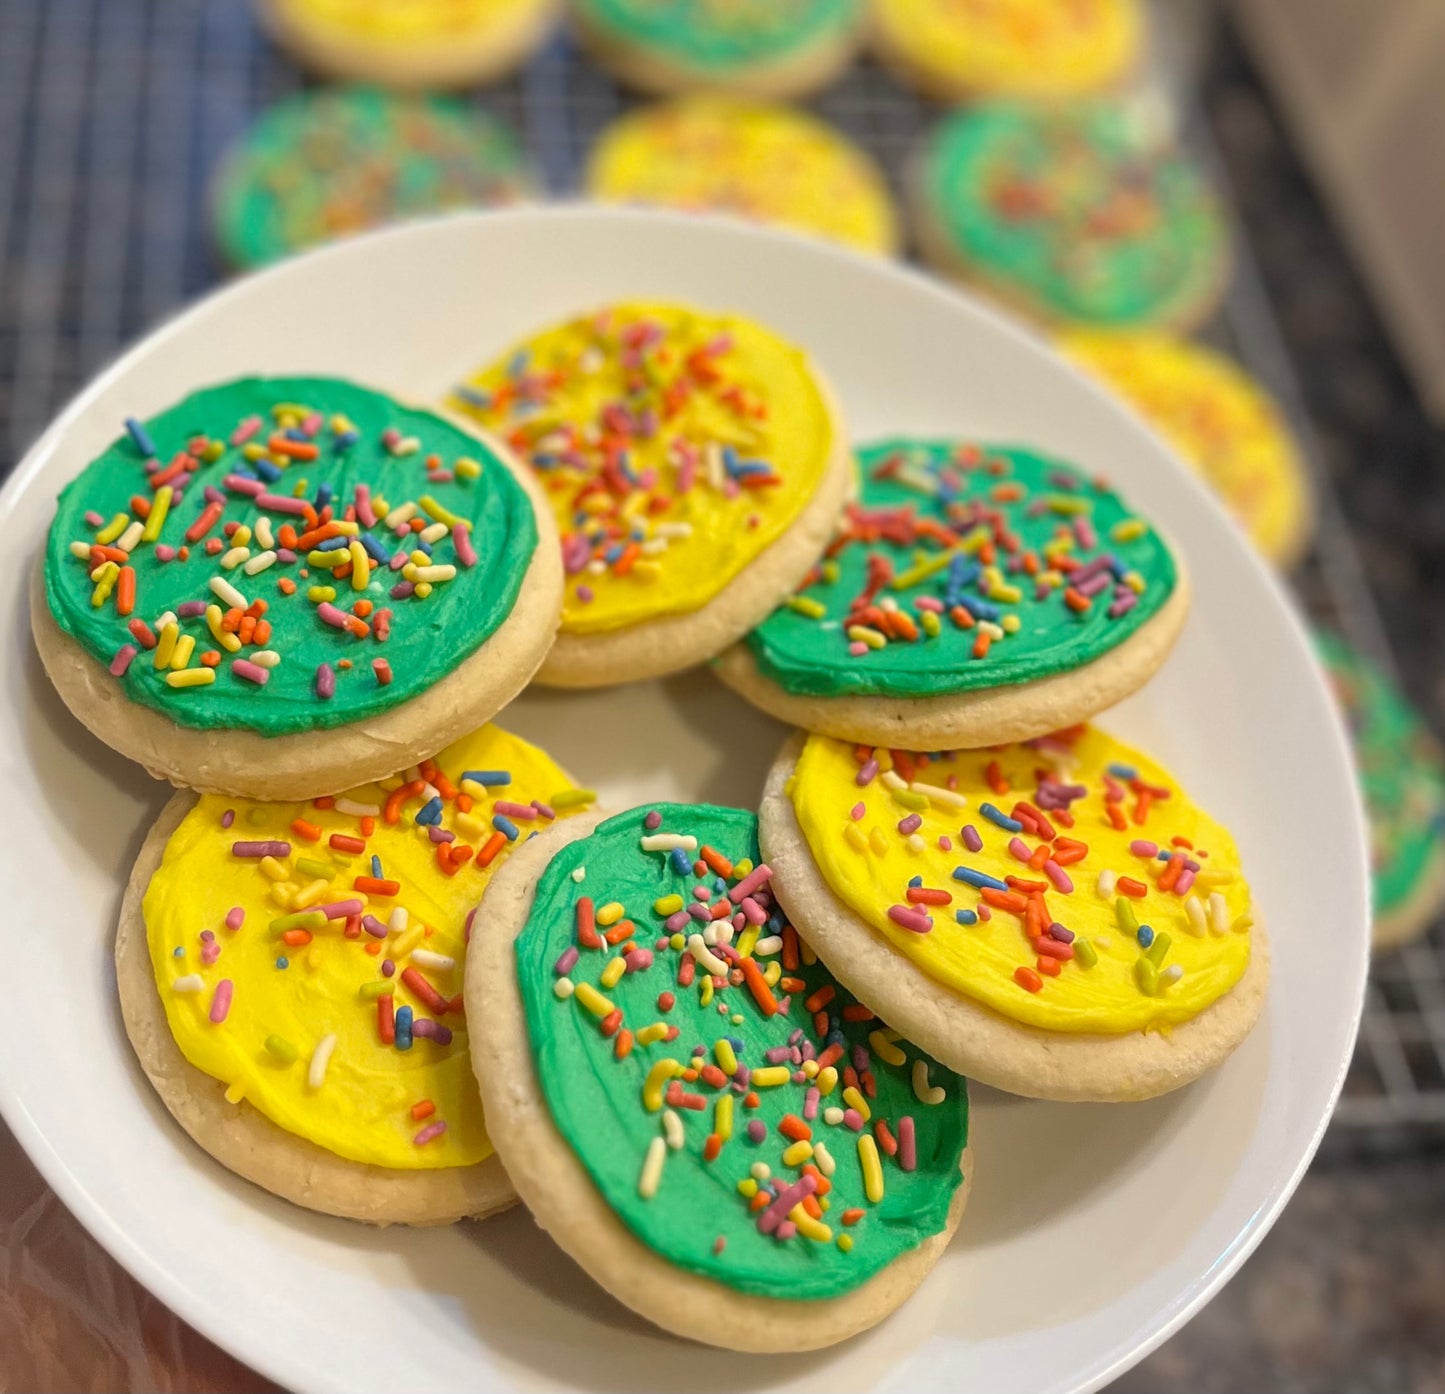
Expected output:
(113, 115)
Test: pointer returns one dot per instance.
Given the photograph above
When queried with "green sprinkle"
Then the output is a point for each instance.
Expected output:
(1085, 955)
(281, 1048)
(909, 798)
(1124, 915)
(320, 871)
(379, 987)
(1146, 974)
(302, 919)
(1158, 949)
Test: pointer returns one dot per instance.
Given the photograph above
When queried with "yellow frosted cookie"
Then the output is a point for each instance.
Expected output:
(1055, 917)
(290, 977)
(1222, 423)
(410, 43)
(695, 463)
(1015, 48)
(769, 163)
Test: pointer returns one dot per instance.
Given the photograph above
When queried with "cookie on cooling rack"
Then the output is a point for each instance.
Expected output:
(290, 977)
(1057, 918)
(689, 1103)
(280, 586)
(696, 464)
(418, 44)
(761, 48)
(973, 594)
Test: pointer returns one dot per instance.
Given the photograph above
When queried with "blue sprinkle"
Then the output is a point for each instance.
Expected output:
(473, 396)
(402, 1022)
(283, 962)
(1123, 771)
(517, 364)
(502, 825)
(140, 436)
(1145, 936)
(1162, 855)
(489, 777)
(420, 544)
(346, 439)
(374, 549)
(680, 862)
(915, 881)
(333, 544)
(267, 471)
(178, 952)
(1001, 819)
(719, 885)
(324, 494)
(983, 609)
(965, 916)
(431, 811)
(376, 868)
(978, 878)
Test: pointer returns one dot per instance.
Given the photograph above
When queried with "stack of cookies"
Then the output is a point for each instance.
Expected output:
(392, 963)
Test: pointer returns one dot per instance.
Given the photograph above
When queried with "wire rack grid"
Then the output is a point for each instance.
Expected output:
(114, 114)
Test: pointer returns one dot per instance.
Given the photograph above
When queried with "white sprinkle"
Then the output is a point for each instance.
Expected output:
(666, 530)
(1107, 881)
(222, 587)
(595, 568)
(766, 948)
(923, 1091)
(665, 842)
(81, 550)
(259, 562)
(705, 956)
(916, 843)
(672, 1130)
(263, 532)
(761, 1171)
(1218, 913)
(939, 795)
(398, 920)
(893, 780)
(443, 963)
(128, 539)
(1195, 913)
(168, 618)
(833, 1115)
(579, 873)
(824, 1158)
(651, 1177)
(1171, 974)
(266, 658)
(564, 988)
(358, 810)
(320, 1059)
(192, 982)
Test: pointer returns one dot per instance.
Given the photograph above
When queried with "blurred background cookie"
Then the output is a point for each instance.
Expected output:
(333, 161)
(761, 161)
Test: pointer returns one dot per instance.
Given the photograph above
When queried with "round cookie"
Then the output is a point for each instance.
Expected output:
(1402, 778)
(1220, 420)
(768, 163)
(691, 1106)
(1033, 49)
(281, 586)
(695, 463)
(973, 594)
(420, 44)
(331, 161)
(289, 976)
(1075, 214)
(1055, 918)
(761, 48)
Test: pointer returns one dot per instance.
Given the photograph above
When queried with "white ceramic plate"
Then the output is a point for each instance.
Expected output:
(1092, 1232)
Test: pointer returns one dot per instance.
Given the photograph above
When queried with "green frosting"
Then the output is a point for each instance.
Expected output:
(597, 1102)
(721, 34)
(337, 160)
(1078, 209)
(1401, 770)
(919, 538)
(364, 440)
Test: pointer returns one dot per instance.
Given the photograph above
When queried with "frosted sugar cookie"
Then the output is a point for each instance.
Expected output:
(1073, 214)
(689, 1103)
(973, 594)
(332, 161)
(768, 163)
(1220, 420)
(290, 977)
(1056, 918)
(281, 586)
(412, 44)
(954, 49)
(1402, 777)
(764, 48)
(695, 463)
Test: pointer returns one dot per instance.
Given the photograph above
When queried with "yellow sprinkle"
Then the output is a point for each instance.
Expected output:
(705, 990)
(922, 571)
(772, 973)
(651, 1177)
(865, 634)
(229, 642)
(191, 677)
(316, 594)
(747, 941)
(872, 1168)
(806, 605)
(808, 1227)
(470, 826)
(181, 654)
(1128, 530)
(160, 506)
(741, 869)
(314, 892)
(573, 798)
(667, 905)
(909, 798)
(855, 1100)
(1009, 595)
(275, 870)
(360, 566)
(113, 529)
(1010, 624)
(283, 894)
(437, 513)
(105, 578)
(165, 646)
(877, 842)
(657, 1077)
(798, 1153)
(923, 1091)
(593, 1000)
(853, 836)
(932, 625)
(722, 1117)
(408, 941)
(845, 1242)
(611, 975)
(377, 987)
(770, 1076)
(747, 1186)
(723, 1053)
(236, 1092)
(467, 468)
(653, 1033)
(885, 1049)
(328, 561)
(610, 913)
(810, 1068)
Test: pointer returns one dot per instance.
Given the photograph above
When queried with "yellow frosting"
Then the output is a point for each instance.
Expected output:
(410, 21)
(362, 1109)
(636, 418)
(1026, 48)
(869, 861)
(769, 163)
(1220, 421)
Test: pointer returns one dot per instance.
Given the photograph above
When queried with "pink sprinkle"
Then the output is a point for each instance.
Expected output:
(235, 917)
(857, 649)
(210, 952)
(338, 619)
(1058, 876)
(165, 552)
(858, 810)
(1019, 849)
(907, 1144)
(929, 602)
(984, 913)
(910, 918)
(325, 681)
(245, 430)
(121, 662)
(1141, 848)
(260, 849)
(1123, 605)
(374, 927)
(971, 839)
(753, 882)
(945, 843)
(584, 594)
(853, 1119)
(754, 912)
(676, 921)
(1185, 881)
(191, 609)
(567, 962)
(252, 672)
(280, 503)
(774, 1216)
(787, 1230)
(462, 540)
(239, 484)
(228, 817)
(719, 1244)
(221, 1001)
(1084, 531)
(311, 424)
(638, 961)
(341, 909)
(653, 821)
(365, 514)
(544, 810)
(523, 811)
(810, 1103)
(93, 519)
(432, 1130)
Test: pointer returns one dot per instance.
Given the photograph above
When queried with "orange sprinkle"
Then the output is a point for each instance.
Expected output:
(423, 1109)
(762, 993)
(611, 1023)
(1028, 979)
(886, 1141)
(310, 832)
(494, 844)
(622, 1045)
(851, 1217)
(286, 586)
(716, 861)
(296, 937)
(211, 658)
(981, 645)
(995, 777)
(1075, 601)
(1127, 885)
(856, 1011)
(371, 885)
(1048, 966)
(793, 1128)
(790, 949)
(125, 591)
